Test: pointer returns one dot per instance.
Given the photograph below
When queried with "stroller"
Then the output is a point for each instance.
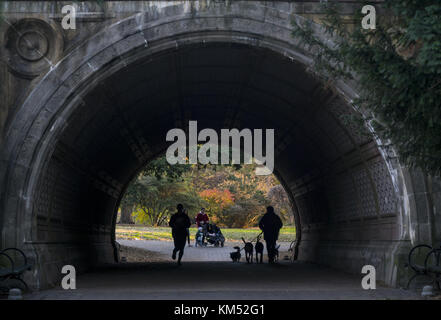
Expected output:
(213, 235)
(199, 238)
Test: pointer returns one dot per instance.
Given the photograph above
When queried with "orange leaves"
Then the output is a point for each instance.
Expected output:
(217, 199)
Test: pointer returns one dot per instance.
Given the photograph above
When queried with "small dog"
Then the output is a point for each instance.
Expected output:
(235, 255)
(248, 251)
(259, 250)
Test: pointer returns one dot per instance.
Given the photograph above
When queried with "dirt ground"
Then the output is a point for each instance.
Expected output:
(133, 254)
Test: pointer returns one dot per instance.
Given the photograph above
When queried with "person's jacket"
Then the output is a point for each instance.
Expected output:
(179, 222)
(201, 217)
(270, 224)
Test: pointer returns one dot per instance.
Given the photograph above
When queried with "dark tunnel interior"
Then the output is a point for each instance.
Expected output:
(332, 171)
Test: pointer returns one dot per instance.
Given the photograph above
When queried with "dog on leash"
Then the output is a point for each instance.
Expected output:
(276, 253)
(259, 250)
(235, 255)
(248, 251)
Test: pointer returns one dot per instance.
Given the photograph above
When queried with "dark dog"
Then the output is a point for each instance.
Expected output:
(248, 251)
(235, 255)
(259, 251)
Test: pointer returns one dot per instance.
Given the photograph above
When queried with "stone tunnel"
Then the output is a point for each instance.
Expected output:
(82, 114)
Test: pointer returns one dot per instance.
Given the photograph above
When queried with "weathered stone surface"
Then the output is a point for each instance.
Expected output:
(83, 127)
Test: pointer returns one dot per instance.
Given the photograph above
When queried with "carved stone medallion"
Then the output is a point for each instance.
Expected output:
(32, 46)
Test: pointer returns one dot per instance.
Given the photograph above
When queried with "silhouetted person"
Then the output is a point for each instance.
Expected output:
(179, 222)
(201, 221)
(201, 218)
(270, 224)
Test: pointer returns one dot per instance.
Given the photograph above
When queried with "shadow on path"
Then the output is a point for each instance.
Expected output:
(219, 280)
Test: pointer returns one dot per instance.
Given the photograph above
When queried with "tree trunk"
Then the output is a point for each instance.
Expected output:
(126, 215)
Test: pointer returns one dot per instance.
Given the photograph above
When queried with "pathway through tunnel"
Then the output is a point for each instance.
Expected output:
(335, 182)
(220, 280)
(224, 203)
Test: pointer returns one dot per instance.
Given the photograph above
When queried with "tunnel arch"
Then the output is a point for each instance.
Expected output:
(337, 226)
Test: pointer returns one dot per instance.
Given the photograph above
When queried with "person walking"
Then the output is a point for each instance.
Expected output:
(179, 222)
(270, 224)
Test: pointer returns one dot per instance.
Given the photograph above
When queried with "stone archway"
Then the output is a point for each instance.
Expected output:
(352, 205)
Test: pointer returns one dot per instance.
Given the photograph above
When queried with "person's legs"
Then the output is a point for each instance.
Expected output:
(204, 232)
(180, 245)
(270, 246)
(175, 249)
(181, 253)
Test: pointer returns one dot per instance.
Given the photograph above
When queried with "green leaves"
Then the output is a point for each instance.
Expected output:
(398, 67)
(232, 195)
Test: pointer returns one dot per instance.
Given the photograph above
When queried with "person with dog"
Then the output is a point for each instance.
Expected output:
(270, 224)
(179, 222)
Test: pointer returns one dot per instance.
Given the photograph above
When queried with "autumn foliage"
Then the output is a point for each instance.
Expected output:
(217, 200)
(233, 196)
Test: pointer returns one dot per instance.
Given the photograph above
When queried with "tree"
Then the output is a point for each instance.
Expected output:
(233, 195)
(248, 192)
(280, 201)
(137, 191)
(216, 202)
(157, 199)
(398, 67)
(161, 169)
(126, 214)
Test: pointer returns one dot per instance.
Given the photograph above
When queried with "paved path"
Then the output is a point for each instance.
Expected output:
(217, 279)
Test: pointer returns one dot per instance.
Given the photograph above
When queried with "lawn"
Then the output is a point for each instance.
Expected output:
(139, 232)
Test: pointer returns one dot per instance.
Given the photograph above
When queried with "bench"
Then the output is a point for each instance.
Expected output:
(12, 268)
(424, 260)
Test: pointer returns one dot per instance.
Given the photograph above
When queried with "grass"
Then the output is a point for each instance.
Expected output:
(139, 232)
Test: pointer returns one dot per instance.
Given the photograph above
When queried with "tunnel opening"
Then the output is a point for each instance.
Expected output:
(344, 202)
(233, 198)
(124, 120)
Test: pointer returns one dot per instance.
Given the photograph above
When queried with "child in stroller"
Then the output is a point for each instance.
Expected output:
(199, 238)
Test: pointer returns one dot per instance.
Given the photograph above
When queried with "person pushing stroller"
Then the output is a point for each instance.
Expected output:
(201, 218)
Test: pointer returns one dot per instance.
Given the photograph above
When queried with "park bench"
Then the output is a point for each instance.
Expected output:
(13, 264)
(424, 260)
